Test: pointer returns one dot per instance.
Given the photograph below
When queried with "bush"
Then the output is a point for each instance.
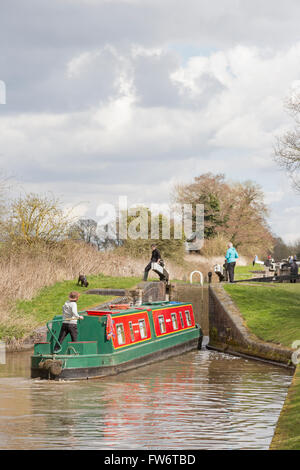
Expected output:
(35, 219)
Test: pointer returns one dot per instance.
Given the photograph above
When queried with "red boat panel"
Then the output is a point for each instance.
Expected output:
(170, 319)
(134, 327)
(131, 328)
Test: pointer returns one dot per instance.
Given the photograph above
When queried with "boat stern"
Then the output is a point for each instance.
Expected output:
(78, 355)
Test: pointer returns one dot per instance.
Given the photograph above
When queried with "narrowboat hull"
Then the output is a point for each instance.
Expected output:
(96, 372)
(93, 359)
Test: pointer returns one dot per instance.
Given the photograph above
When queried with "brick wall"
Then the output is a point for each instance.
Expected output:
(198, 297)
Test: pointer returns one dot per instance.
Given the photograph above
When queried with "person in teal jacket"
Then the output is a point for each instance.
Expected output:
(231, 257)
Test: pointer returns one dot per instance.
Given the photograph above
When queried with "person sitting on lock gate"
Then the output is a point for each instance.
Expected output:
(155, 258)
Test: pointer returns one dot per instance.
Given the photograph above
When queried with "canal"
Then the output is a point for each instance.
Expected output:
(200, 400)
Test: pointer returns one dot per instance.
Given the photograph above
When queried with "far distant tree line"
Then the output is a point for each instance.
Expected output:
(282, 250)
(233, 212)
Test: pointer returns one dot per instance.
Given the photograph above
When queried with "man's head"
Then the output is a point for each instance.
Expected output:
(153, 246)
(74, 296)
(230, 245)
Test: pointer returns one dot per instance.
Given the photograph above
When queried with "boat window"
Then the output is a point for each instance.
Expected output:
(120, 333)
(162, 325)
(181, 320)
(131, 331)
(188, 318)
(143, 329)
(174, 321)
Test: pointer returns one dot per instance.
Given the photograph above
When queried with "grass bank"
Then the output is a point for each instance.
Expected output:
(287, 434)
(271, 311)
(28, 314)
(31, 278)
(246, 272)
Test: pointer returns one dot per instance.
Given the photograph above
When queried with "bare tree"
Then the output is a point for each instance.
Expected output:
(287, 147)
(234, 211)
(211, 191)
(247, 219)
(34, 218)
(85, 229)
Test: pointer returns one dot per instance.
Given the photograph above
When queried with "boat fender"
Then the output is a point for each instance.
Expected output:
(53, 365)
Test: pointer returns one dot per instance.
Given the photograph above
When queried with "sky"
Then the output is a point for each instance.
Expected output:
(110, 98)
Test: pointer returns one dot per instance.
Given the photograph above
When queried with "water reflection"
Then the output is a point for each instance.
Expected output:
(201, 400)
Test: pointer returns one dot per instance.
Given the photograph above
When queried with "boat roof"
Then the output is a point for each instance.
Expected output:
(122, 309)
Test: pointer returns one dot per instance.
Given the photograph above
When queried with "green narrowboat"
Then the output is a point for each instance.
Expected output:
(117, 339)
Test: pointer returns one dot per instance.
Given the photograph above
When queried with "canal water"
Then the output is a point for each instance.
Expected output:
(200, 400)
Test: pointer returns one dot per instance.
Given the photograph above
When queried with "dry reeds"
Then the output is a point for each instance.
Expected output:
(25, 270)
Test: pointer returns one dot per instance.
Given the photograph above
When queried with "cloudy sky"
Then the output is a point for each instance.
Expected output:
(109, 98)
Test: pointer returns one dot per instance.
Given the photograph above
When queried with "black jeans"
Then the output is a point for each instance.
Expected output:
(66, 329)
(230, 269)
(147, 269)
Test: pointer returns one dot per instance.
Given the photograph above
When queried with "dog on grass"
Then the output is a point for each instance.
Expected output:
(82, 280)
(219, 273)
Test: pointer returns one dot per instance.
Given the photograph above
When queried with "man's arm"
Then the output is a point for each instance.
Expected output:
(75, 312)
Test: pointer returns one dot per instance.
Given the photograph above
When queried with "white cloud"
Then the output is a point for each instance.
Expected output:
(76, 211)
(293, 211)
(78, 64)
(273, 196)
(110, 105)
(292, 237)
(244, 114)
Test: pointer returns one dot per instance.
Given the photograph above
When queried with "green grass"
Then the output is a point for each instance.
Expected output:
(49, 300)
(14, 329)
(287, 434)
(271, 311)
(244, 272)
